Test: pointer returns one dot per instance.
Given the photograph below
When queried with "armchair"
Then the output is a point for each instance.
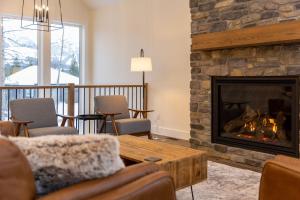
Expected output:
(37, 117)
(280, 179)
(115, 108)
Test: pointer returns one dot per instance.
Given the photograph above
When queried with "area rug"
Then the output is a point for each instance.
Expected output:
(224, 183)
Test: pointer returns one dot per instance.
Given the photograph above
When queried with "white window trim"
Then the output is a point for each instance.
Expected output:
(43, 46)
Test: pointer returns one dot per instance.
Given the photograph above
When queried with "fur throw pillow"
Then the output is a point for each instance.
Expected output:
(60, 161)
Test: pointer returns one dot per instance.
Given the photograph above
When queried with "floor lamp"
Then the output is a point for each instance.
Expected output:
(141, 64)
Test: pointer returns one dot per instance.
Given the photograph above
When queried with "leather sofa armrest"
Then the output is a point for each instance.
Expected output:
(156, 186)
(88, 189)
(280, 179)
(7, 128)
(288, 162)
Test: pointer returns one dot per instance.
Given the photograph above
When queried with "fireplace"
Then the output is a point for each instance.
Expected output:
(256, 113)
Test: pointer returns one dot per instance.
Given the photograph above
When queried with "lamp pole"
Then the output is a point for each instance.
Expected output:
(142, 54)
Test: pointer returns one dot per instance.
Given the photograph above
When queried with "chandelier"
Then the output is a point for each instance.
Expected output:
(46, 15)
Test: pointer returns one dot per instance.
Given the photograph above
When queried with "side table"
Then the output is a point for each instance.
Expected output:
(93, 117)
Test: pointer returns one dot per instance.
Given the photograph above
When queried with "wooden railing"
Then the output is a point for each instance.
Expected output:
(73, 99)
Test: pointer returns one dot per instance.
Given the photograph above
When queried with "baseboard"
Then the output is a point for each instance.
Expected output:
(173, 133)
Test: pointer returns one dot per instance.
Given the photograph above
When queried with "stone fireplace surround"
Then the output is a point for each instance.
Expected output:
(276, 60)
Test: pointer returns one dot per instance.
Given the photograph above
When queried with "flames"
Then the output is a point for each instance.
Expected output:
(266, 123)
(270, 122)
(260, 126)
(251, 126)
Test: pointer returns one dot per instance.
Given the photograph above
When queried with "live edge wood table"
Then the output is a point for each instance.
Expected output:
(187, 166)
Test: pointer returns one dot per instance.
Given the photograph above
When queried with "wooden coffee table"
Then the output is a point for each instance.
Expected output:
(187, 166)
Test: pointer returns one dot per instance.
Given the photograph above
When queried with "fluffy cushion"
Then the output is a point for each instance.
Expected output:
(59, 161)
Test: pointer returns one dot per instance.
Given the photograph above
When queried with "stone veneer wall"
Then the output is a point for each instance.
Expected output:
(221, 15)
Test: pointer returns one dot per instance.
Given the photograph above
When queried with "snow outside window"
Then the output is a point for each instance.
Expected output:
(20, 54)
(20, 50)
(66, 69)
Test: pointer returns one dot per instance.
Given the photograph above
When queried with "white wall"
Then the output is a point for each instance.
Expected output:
(162, 28)
(74, 11)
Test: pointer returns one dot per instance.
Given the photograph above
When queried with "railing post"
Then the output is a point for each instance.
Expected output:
(145, 98)
(71, 99)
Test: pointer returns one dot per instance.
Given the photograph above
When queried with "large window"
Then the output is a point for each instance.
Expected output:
(22, 55)
(20, 52)
(65, 69)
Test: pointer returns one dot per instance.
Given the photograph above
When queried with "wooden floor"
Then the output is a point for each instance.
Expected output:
(210, 157)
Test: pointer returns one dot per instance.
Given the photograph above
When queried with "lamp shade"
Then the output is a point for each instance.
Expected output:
(141, 64)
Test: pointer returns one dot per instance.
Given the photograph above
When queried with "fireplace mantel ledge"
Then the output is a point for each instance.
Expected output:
(281, 33)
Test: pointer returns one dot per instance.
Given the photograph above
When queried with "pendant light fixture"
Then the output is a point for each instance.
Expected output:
(47, 15)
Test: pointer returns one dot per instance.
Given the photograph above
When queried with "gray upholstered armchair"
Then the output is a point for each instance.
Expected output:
(115, 108)
(37, 117)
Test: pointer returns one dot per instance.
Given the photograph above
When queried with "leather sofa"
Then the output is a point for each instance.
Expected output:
(7, 128)
(280, 179)
(138, 182)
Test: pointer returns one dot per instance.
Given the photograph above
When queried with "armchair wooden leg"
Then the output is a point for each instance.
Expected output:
(17, 130)
(136, 114)
(26, 132)
(114, 125)
(71, 122)
(150, 137)
(63, 123)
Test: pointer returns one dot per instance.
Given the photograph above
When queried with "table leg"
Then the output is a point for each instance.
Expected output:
(104, 126)
(192, 192)
(83, 127)
(100, 126)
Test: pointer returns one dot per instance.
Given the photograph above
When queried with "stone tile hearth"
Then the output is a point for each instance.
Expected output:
(276, 60)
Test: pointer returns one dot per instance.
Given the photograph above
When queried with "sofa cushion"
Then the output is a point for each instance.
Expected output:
(52, 131)
(60, 161)
(131, 125)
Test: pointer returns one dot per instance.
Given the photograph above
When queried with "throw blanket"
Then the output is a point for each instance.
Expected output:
(60, 161)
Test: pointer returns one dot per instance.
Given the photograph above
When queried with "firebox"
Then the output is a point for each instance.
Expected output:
(256, 113)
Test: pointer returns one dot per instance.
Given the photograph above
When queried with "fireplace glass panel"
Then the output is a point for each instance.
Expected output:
(258, 113)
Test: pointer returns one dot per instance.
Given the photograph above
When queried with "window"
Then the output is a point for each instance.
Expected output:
(21, 62)
(66, 69)
(20, 52)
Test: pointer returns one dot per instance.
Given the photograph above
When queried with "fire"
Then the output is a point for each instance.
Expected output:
(272, 122)
(275, 128)
(266, 123)
(250, 126)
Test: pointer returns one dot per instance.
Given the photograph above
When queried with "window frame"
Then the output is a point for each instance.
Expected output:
(44, 45)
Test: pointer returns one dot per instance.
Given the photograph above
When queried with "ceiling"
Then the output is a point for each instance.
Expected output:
(93, 4)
